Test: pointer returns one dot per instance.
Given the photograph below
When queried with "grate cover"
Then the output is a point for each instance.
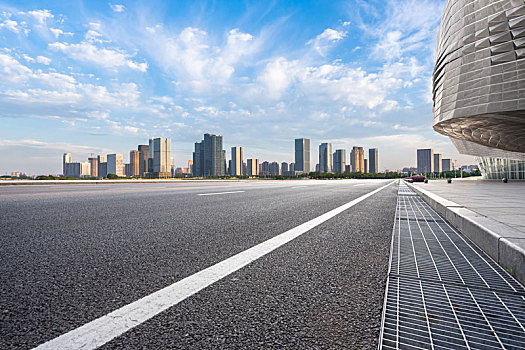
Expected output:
(442, 291)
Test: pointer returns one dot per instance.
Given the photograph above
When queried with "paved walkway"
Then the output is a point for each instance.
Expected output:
(443, 292)
(494, 199)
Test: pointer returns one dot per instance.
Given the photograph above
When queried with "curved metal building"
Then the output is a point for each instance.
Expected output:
(479, 79)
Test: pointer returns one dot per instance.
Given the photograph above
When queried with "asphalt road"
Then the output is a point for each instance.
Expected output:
(72, 253)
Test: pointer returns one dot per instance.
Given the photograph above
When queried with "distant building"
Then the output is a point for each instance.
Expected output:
(325, 157)
(339, 159)
(348, 168)
(409, 170)
(447, 164)
(127, 169)
(366, 166)
(302, 155)
(143, 159)
(274, 169)
(102, 166)
(190, 166)
(317, 168)
(284, 168)
(134, 162)
(438, 166)
(66, 159)
(236, 161)
(209, 159)
(291, 168)
(160, 153)
(373, 163)
(425, 160)
(252, 167)
(357, 159)
(93, 165)
(115, 164)
(265, 168)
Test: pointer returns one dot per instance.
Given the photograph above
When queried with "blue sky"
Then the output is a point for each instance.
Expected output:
(98, 77)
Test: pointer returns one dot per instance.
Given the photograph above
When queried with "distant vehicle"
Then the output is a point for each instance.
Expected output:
(408, 179)
(417, 178)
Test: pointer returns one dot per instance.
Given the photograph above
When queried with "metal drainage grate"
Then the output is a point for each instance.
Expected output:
(442, 291)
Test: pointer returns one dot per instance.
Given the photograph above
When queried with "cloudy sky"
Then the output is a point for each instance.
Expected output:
(98, 77)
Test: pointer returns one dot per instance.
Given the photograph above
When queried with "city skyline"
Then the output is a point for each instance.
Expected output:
(255, 70)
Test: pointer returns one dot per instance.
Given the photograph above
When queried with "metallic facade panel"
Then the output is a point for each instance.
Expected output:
(479, 76)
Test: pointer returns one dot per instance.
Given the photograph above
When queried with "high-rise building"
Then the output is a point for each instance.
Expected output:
(325, 157)
(373, 164)
(265, 168)
(93, 164)
(425, 160)
(115, 164)
(302, 155)
(340, 161)
(102, 166)
(274, 169)
(236, 161)
(366, 166)
(291, 168)
(160, 153)
(284, 168)
(252, 167)
(209, 159)
(348, 168)
(66, 159)
(447, 164)
(438, 165)
(357, 159)
(143, 159)
(134, 163)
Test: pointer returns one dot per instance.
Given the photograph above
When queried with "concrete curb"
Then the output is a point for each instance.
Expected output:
(504, 244)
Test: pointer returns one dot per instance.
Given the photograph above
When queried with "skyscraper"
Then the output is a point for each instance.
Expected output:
(265, 168)
(373, 165)
(102, 166)
(236, 161)
(340, 161)
(325, 158)
(209, 157)
(447, 164)
(274, 169)
(302, 155)
(425, 160)
(115, 164)
(93, 163)
(160, 152)
(134, 163)
(366, 166)
(357, 159)
(143, 159)
(284, 168)
(438, 167)
(253, 167)
(66, 159)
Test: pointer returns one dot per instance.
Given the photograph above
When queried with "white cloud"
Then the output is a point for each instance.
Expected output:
(326, 39)
(107, 58)
(10, 25)
(43, 60)
(117, 8)
(57, 32)
(40, 16)
(12, 71)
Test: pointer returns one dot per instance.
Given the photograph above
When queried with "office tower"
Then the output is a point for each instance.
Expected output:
(127, 169)
(244, 169)
(292, 168)
(447, 164)
(160, 153)
(317, 168)
(274, 169)
(143, 159)
(102, 170)
(302, 155)
(366, 166)
(425, 160)
(438, 166)
(93, 163)
(66, 159)
(252, 167)
(190, 166)
(284, 168)
(115, 164)
(357, 159)
(265, 168)
(325, 157)
(85, 169)
(228, 170)
(348, 168)
(373, 163)
(209, 159)
(340, 161)
(236, 161)
(134, 162)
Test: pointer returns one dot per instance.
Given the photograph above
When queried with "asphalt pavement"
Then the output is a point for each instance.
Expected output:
(73, 253)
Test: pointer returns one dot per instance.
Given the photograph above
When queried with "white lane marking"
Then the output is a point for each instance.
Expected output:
(102, 330)
(216, 193)
(360, 185)
(300, 186)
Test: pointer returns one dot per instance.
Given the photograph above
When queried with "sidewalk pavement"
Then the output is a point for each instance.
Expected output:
(490, 213)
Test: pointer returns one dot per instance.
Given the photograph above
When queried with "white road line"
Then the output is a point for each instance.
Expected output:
(102, 330)
(216, 193)
(300, 186)
(360, 185)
